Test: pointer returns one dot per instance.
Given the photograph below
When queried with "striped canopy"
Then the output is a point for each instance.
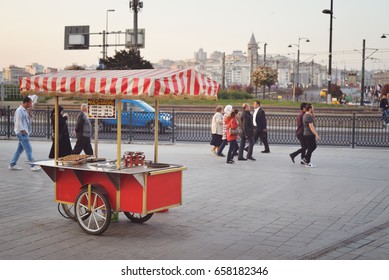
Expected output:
(125, 84)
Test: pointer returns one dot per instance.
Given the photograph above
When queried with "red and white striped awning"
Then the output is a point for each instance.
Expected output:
(126, 84)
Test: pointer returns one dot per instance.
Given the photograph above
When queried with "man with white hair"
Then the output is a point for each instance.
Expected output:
(83, 132)
(227, 112)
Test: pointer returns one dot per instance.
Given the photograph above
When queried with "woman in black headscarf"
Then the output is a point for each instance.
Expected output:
(65, 148)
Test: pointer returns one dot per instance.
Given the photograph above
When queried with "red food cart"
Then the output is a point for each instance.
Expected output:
(91, 191)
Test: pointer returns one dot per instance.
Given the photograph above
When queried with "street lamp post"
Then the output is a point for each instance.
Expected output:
(298, 60)
(330, 12)
(136, 5)
(264, 64)
(105, 54)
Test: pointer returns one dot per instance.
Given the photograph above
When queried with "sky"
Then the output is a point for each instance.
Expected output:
(33, 31)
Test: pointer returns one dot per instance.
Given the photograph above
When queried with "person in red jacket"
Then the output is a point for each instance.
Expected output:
(232, 123)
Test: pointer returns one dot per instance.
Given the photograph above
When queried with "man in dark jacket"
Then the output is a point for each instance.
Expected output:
(83, 132)
(259, 120)
(384, 105)
(247, 133)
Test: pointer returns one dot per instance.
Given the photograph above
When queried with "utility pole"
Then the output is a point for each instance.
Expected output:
(136, 5)
(363, 72)
(224, 71)
(264, 64)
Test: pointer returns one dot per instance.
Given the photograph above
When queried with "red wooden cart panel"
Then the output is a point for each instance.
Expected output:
(67, 186)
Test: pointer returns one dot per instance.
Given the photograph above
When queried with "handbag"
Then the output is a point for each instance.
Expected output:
(235, 131)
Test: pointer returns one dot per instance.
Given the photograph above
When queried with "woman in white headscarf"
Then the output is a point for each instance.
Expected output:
(217, 130)
(227, 111)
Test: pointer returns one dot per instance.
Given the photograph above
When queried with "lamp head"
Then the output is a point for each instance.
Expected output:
(326, 11)
(307, 41)
(289, 46)
(383, 36)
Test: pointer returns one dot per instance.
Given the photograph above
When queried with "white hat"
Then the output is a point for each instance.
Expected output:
(227, 109)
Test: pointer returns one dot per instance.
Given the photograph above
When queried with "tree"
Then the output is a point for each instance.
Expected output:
(74, 67)
(336, 92)
(385, 89)
(264, 76)
(126, 60)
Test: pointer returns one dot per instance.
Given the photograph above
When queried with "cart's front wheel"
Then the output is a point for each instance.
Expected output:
(93, 211)
(138, 218)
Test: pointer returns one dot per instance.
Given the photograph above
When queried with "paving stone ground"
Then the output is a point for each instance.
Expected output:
(268, 209)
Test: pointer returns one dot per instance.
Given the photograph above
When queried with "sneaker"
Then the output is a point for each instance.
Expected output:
(213, 152)
(251, 158)
(230, 162)
(221, 155)
(265, 151)
(14, 167)
(303, 161)
(312, 165)
(36, 168)
(291, 157)
(242, 159)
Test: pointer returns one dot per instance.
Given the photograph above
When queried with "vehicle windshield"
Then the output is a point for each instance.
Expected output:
(150, 108)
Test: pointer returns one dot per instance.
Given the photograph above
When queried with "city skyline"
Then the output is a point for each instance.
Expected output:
(175, 31)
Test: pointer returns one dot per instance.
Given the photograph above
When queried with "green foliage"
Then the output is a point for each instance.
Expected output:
(126, 60)
(234, 95)
(74, 67)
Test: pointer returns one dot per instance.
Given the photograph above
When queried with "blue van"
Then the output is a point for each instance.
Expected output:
(139, 114)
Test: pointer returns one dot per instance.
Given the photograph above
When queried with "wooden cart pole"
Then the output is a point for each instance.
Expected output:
(119, 133)
(96, 137)
(156, 123)
(56, 128)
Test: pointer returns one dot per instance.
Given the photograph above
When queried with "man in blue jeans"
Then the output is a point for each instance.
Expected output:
(22, 130)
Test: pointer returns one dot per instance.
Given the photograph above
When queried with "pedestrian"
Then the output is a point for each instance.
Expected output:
(232, 124)
(310, 135)
(65, 147)
(260, 128)
(247, 133)
(300, 135)
(217, 130)
(343, 99)
(22, 121)
(384, 105)
(83, 132)
(227, 111)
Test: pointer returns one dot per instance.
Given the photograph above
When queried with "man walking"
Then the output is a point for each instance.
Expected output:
(259, 120)
(83, 132)
(247, 134)
(22, 130)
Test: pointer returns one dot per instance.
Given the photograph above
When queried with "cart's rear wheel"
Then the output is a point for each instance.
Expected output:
(68, 209)
(138, 218)
(96, 219)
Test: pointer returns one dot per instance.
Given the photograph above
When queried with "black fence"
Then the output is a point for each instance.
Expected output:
(336, 130)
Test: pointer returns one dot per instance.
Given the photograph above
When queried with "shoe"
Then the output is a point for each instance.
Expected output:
(213, 152)
(312, 165)
(251, 158)
(220, 155)
(303, 161)
(230, 162)
(14, 167)
(265, 151)
(246, 149)
(242, 158)
(291, 157)
(36, 168)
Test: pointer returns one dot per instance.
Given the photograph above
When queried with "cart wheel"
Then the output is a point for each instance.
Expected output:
(96, 219)
(138, 218)
(68, 211)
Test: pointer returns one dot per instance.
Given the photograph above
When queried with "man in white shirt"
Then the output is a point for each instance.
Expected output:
(22, 131)
(260, 128)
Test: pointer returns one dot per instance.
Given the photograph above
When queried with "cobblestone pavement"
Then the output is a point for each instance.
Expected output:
(268, 209)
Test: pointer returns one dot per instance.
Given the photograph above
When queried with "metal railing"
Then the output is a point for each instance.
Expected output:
(335, 130)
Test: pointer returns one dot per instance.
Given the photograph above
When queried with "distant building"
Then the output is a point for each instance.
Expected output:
(200, 56)
(380, 78)
(12, 74)
(35, 69)
(49, 70)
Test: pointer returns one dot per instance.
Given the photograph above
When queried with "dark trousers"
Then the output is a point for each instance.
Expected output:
(221, 147)
(310, 143)
(83, 143)
(259, 133)
(232, 149)
(302, 149)
(250, 147)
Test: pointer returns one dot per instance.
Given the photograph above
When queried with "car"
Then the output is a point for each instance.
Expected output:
(139, 114)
